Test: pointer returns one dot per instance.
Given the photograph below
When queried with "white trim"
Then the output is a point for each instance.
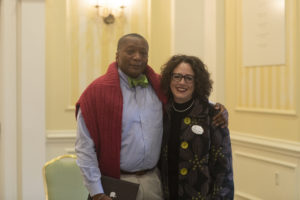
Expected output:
(70, 150)
(70, 108)
(58, 135)
(32, 101)
(59, 142)
(8, 101)
(276, 146)
(266, 159)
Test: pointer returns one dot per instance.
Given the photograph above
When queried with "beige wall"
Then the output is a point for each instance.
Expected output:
(263, 100)
(160, 33)
(189, 27)
(263, 104)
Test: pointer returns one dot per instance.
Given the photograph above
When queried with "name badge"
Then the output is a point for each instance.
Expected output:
(197, 129)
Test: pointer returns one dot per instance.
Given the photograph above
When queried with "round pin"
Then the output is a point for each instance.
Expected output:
(197, 129)
(187, 120)
(183, 171)
(184, 145)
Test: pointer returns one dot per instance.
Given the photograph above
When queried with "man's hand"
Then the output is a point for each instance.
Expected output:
(221, 119)
(101, 197)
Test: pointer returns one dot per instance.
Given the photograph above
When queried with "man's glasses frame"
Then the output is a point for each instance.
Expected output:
(188, 78)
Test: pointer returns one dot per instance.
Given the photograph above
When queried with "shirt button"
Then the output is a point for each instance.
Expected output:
(187, 120)
(184, 145)
(183, 171)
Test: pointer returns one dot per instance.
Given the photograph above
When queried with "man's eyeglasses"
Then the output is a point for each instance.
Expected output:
(178, 77)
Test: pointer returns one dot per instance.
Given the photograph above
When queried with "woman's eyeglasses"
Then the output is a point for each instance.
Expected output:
(178, 77)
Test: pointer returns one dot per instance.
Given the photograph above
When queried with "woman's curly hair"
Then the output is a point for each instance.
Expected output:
(202, 81)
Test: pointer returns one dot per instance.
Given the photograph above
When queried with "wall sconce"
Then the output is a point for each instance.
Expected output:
(109, 9)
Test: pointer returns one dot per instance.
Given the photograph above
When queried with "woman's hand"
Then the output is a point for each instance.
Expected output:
(221, 119)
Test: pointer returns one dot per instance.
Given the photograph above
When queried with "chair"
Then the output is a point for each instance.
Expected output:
(62, 179)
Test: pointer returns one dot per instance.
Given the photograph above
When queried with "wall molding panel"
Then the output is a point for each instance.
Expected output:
(265, 159)
(265, 168)
(272, 145)
(60, 142)
(265, 86)
(58, 135)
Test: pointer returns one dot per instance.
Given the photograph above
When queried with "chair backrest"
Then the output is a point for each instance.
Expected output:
(62, 179)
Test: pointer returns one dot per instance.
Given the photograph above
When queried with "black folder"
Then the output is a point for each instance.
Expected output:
(119, 189)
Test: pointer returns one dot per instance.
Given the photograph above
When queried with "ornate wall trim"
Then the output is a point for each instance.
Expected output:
(271, 163)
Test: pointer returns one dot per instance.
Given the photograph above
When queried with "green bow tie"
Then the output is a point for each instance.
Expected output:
(141, 81)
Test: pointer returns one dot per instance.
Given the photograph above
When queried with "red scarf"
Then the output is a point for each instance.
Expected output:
(101, 105)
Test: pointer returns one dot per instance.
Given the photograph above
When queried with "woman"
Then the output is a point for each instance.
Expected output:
(196, 160)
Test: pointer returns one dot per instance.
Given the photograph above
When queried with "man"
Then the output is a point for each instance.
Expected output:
(119, 119)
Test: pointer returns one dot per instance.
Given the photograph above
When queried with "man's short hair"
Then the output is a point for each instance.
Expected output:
(122, 39)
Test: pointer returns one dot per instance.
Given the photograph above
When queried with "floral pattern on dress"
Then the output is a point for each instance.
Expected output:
(205, 160)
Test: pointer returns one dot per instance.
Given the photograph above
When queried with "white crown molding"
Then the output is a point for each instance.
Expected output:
(278, 146)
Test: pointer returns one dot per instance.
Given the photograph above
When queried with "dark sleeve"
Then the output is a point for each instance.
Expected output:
(220, 165)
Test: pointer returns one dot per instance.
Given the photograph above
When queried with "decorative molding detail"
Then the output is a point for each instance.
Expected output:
(70, 108)
(267, 111)
(276, 146)
(265, 159)
(245, 196)
(265, 155)
(265, 88)
(60, 135)
(70, 150)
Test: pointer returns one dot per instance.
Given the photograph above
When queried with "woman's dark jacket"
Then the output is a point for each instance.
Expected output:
(204, 160)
